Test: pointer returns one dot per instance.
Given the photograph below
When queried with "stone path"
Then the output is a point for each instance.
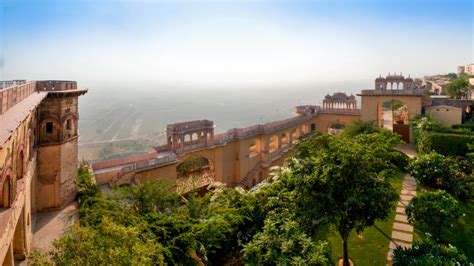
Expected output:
(402, 231)
(51, 224)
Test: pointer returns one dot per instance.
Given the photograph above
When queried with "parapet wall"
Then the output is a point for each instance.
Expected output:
(14, 91)
(11, 95)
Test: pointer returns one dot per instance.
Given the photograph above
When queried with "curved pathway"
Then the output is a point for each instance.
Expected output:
(402, 231)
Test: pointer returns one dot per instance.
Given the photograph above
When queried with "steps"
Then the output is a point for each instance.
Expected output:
(402, 231)
(250, 175)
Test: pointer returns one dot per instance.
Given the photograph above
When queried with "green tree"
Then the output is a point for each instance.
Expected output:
(339, 184)
(361, 127)
(436, 210)
(283, 242)
(459, 88)
(108, 244)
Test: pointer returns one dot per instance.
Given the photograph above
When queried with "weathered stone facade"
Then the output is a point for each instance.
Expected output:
(38, 157)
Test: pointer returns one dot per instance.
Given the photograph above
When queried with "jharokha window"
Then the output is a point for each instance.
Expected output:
(68, 124)
(49, 127)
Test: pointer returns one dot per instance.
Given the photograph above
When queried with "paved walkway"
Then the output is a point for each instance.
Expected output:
(50, 225)
(402, 231)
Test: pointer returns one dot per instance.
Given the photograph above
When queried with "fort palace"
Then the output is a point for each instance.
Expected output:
(38, 157)
(38, 146)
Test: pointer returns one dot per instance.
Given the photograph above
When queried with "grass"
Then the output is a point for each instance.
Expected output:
(461, 235)
(371, 246)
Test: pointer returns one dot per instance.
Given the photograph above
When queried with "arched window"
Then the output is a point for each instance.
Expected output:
(5, 199)
(19, 165)
(68, 124)
(187, 138)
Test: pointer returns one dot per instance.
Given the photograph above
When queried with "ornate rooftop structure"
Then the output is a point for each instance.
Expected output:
(340, 100)
(394, 84)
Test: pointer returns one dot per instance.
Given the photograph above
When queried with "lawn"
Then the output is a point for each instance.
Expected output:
(461, 235)
(371, 246)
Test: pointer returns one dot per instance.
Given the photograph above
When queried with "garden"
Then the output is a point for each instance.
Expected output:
(443, 210)
(332, 202)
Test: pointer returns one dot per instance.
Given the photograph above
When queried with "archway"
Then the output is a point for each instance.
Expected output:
(395, 118)
(335, 128)
(6, 193)
(19, 165)
(19, 243)
(194, 172)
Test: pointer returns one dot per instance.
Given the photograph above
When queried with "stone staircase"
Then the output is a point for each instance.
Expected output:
(250, 175)
(402, 231)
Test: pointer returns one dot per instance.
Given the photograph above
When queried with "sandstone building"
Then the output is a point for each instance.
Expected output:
(244, 156)
(38, 157)
(39, 134)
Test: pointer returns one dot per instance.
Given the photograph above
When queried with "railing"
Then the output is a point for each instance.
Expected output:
(8, 83)
(11, 95)
(162, 148)
(341, 111)
(191, 125)
(412, 91)
(239, 133)
(194, 146)
(146, 164)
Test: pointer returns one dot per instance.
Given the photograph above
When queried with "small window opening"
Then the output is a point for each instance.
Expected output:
(49, 127)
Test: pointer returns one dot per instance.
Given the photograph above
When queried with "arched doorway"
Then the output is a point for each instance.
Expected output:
(335, 128)
(19, 243)
(6, 193)
(19, 165)
(194, 172)
(395, 118)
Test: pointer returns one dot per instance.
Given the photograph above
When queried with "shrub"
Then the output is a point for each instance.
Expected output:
(469, 126)
(428, 253)
(431, 135)
(399, 159)
(432, 169)
(85, 186)
(437, 171)
(421, 126)
(436, 210)
(361, 127)
(465, 164)
(449, 143)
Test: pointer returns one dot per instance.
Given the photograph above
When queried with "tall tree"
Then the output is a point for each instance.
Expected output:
(459, 88)
(339, 184)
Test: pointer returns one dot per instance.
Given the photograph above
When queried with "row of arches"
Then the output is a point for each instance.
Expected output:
(9, 177)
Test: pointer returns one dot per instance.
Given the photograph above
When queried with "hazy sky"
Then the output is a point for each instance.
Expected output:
(232, 42)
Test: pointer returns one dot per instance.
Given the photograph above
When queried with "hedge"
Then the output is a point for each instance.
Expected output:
(450, 144)
(464, 126)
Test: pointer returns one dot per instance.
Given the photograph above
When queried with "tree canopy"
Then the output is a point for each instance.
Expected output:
(459, 87)
(346, 172)
(335, 180)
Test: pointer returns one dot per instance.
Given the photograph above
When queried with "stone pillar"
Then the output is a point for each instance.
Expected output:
(19, 248)
(9, 261)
